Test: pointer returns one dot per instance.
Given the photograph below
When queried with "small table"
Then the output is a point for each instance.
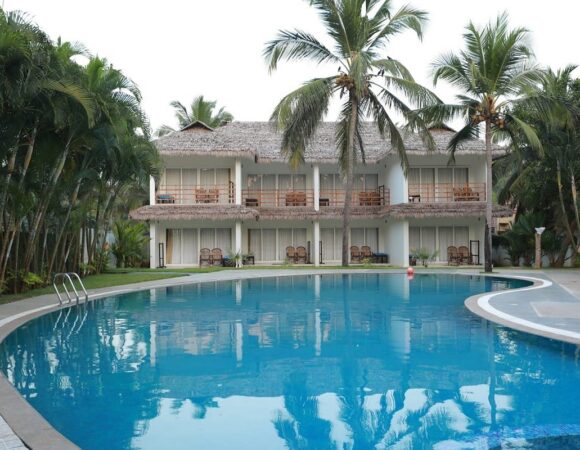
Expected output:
(252, 202)
(416, 198)
(165, 198)
(380, 258)
(324, 202)
(248, 260)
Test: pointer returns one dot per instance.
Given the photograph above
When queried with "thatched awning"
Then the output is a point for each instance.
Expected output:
(261, 141)
(450, 209)
(193, 212)
(236, 212)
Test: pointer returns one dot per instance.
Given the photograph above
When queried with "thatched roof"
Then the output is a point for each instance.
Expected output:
(451, 209)
(235, 212)
(260, 141)
(193, 212)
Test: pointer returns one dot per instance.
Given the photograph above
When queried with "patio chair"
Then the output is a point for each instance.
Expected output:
(291, 254)
(463, 255)
(365, 252)
(217, 257)
(301, 255)
(300, 198)
(204, 256)
(200, 195)
(355, 255)
(213, 195)
(452, 255)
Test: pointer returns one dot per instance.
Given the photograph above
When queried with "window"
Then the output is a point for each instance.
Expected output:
(365, 236)
(438, 238)
(181, 246)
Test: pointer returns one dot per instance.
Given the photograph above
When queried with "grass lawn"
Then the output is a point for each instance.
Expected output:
(97, 281)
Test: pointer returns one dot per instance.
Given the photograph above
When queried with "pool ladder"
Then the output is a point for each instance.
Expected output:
(62, 279)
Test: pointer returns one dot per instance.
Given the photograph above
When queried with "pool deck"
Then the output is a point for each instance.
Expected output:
(549, 308)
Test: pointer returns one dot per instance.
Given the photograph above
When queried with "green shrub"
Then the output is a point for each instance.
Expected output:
(130, 243)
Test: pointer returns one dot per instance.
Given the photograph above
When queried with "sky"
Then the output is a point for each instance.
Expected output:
(177, 49)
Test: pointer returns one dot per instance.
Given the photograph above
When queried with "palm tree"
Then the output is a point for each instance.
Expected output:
(496, 74)
(201, 110)
(365, 82)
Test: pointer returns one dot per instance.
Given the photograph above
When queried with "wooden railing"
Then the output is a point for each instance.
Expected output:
(193, 195)
(277, 197)
(305, 197)
(447, 192)
(371, 197)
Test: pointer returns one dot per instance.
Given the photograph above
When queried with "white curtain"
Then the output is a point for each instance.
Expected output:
(338, 243)
(223, 240)
(189, 238)
(188, 183)
(427, 184)
(461, 236)
(255, 241)
(222, 182)
(299, 182)
(207, 238)
(327, 238)
(357, 236)
(269, 244)
(299, 237)
(176, 250)
(372, 239)
(269, 186)
(445, 241)
(371, 181)
(414, 177)
(428, 239)
(284, 240)
(445, 185)
(414, 238)
(207, 178)
(461, 177)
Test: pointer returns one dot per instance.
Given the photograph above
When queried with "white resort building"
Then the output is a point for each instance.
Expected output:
(231, 189)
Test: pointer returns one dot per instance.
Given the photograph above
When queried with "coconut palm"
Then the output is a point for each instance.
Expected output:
(496, 73)
(368, 84)
(201, 110)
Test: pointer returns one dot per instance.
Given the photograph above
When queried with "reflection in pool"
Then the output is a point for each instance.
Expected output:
(306, 362)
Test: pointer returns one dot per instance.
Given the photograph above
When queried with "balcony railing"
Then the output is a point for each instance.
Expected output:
(193, 195)
(277, 197)
(371, 197)
(305, 197)
(447, 192)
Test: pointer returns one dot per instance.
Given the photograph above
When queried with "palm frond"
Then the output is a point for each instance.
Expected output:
(468, 132)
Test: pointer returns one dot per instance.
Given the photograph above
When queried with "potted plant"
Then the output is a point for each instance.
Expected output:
(424, 256)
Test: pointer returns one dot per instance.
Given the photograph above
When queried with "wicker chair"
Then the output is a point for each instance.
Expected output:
(213, 196)
(200, 195)
(463, 255)
(217, 257)
(204, 256)
(291, 254)
(355, 254)
(365, 252)
(452, 255)
(301, 255)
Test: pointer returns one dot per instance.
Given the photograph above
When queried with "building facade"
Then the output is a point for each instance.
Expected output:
(231, 188)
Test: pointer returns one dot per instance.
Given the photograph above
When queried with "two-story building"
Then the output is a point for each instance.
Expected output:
(231, 188)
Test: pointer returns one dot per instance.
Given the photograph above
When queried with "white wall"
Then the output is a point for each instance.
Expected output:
(397, 242)
(396, 181)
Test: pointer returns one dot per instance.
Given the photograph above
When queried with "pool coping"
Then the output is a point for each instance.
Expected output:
(37, 433)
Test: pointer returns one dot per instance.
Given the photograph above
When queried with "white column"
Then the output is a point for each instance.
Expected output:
(239, 342)
(316, 243)
(238, 242)
(151, 190)
(316, 186)
(153, 252)
(317, 333)
(238, 181)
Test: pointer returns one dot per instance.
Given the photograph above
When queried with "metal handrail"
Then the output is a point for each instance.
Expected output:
(64, 277)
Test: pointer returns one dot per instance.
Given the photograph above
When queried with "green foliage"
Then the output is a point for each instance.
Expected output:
(130, 243)
(31, 280)
(424, 255)
(74, 152)
(368, 84)
(201, 110)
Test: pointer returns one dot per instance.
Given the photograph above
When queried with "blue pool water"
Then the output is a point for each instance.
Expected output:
(307, 362)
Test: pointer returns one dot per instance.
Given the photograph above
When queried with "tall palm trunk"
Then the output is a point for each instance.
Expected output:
(488, 198)
(571, 236)
(349, 178)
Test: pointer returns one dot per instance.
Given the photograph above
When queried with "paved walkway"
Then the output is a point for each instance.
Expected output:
(550, 308)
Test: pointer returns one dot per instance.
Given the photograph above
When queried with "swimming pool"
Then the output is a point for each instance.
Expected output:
(310, 362)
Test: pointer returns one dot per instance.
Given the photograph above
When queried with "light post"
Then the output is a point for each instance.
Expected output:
(539, 232)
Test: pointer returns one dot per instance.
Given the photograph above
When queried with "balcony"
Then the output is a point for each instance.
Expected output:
(192, 195)
(446, 193)
(371, 197)
(277, 198)
(305, 197)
